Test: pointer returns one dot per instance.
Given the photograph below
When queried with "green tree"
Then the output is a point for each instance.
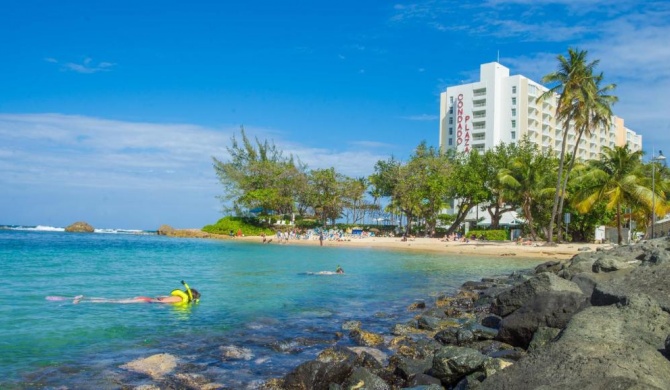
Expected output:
(259, 176)
(616, 179)
(417, 188)
(465, 185)
(433, 168)
(325, 189)
(385, 178)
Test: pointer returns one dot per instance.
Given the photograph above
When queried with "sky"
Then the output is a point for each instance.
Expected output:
(111, 111)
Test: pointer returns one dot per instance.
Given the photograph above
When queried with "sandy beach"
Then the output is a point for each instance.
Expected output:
(474, 247)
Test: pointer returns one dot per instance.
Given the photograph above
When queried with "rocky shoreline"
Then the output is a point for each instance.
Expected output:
(600, 320)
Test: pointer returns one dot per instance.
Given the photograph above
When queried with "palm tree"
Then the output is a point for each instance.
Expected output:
(574, 81)
(595, 112)
(616, 179)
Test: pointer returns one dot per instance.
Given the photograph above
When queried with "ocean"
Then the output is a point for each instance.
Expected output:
(258, 298)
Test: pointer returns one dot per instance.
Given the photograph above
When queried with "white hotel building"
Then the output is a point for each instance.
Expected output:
(503, 108)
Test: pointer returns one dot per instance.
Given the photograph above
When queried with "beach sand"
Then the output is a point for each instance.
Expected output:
(435, 245)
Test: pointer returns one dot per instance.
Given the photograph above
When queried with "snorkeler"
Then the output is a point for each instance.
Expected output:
(177, 296)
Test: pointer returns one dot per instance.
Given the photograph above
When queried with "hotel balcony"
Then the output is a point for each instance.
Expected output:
(479, 92)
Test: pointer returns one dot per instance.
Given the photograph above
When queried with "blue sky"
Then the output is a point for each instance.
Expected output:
(110, 111)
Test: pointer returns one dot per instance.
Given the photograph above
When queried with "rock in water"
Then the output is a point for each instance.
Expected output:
(80, 227)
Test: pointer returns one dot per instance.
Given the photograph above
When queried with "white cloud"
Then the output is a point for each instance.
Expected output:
(54, 150)
(87, 66)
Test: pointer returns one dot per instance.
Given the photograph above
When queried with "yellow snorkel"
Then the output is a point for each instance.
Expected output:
(188, 291)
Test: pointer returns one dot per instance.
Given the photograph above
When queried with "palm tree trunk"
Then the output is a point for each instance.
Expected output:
(565, 186)
(561, 163)
(618, 224)
(529, 218)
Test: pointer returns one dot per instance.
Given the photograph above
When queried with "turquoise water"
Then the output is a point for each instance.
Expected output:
(253, 296)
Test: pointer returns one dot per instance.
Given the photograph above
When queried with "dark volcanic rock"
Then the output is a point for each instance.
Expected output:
(408, 368)
(542, 336)
(363, 378)
(509, 301)
(652, 280)
(424, 382)
(548, 309)
(609, 347)
(550, 266)
(455, 336)
(334, 365)
(492, 321)
(610, 264)
(451, 363)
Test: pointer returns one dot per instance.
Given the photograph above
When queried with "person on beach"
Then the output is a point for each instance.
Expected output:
(191, 295)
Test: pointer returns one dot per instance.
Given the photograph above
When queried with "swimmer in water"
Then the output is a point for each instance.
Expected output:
(175, 297)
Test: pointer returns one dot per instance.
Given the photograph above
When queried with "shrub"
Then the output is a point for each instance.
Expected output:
(249, 226)
(492, 235)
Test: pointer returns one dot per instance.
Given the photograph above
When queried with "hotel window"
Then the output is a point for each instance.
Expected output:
(451, 141)
(514, 89)
(514, 135)
(451, 109)
(514, 101)
(451, 120)
(451, 131)
(451, 99)
(514, 112)
(513, 124)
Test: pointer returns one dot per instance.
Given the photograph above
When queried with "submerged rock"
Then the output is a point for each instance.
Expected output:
(156, 366)
(232, 352)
